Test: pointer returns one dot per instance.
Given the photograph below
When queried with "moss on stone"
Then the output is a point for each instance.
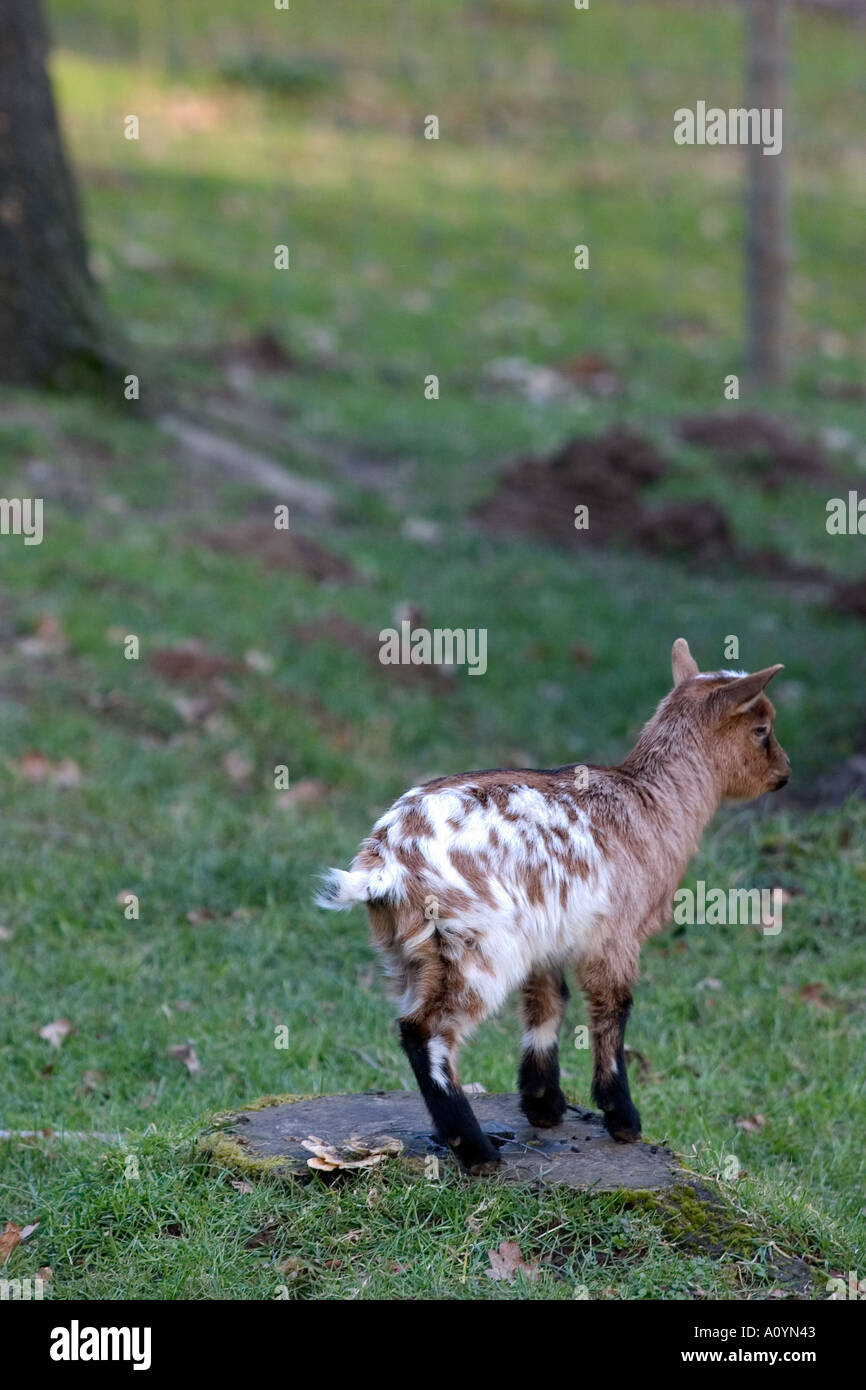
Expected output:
(697, 1219)
(225, 1117)
(228, 1152)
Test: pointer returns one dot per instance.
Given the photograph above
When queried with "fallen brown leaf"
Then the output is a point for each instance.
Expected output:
(90, 1082)
(266, 1236)
(186, 1053)
(238, 768)
(49, 639)
(36, 768)
(751, 1123)
(507, 1262)
(816, 993)
(8, 1241)
(258, 661)
(197, 915)
(55, 1032)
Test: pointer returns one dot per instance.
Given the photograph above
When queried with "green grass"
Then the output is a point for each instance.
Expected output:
(410, 257)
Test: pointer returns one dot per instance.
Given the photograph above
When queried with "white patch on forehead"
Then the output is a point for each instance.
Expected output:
(714, 675)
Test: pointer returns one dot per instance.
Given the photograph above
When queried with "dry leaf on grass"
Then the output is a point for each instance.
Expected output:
(186, 1053)
(55, 1032)
(6, 934)
(197, 915)
(751, 1123)
(258, 661)
(266, 1236)
(90, 1082)
(193, 709)
(12, 1236)
(36, 768)
(49, 639)
(8, 1241)
(238, 768)
(507, 1262)
(816, 993)
(241, 1185)
(355, 1153)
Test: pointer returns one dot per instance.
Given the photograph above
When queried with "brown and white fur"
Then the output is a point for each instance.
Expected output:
(486, 882)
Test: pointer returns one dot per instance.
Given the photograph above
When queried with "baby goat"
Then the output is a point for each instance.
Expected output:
(490, 881)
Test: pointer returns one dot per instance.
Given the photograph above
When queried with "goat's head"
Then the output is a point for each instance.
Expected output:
(734, 719)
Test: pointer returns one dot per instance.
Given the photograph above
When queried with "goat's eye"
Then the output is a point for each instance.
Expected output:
(761, 730)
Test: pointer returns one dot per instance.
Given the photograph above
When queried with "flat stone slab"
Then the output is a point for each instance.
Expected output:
(579, 1153)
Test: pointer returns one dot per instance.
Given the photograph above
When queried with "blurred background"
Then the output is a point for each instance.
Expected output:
(167, 384)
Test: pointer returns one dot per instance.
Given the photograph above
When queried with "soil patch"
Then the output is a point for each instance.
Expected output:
(609, 475)
(280, 550)
(761, 444)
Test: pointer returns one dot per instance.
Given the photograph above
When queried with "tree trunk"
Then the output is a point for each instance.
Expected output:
(52, 325)
(767, 243)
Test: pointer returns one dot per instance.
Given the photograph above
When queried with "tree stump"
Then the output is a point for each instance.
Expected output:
(279, 1136)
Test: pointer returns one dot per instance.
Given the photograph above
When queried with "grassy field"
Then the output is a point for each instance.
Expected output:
(130, 776)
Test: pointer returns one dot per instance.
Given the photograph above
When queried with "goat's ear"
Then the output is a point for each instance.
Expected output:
(739, 695)
(682, 661)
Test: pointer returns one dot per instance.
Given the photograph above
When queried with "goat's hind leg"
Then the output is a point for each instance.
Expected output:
(431, 1051)
(609, 999)
(545, 996)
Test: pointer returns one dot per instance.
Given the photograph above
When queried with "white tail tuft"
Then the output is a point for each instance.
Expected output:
(342, 889)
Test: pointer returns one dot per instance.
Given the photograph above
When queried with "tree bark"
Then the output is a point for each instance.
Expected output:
(53, 329)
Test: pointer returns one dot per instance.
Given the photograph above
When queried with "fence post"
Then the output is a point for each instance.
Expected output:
(767, 244)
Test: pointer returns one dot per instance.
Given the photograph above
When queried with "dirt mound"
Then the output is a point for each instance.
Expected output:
(686, 528)
(608, 475)
(761, 442)
(190, 663)
(280, 550)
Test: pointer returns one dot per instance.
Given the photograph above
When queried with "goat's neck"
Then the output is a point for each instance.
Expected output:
(669, 772)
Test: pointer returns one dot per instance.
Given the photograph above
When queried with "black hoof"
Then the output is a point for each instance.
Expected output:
(485, 1169)
(624, 1127)
(545, 1111)
(477, 1156)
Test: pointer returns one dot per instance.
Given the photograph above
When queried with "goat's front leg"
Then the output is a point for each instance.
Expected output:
(609, 1000)
(545, 996)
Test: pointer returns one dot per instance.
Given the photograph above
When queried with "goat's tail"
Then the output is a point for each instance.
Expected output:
(341, 888)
